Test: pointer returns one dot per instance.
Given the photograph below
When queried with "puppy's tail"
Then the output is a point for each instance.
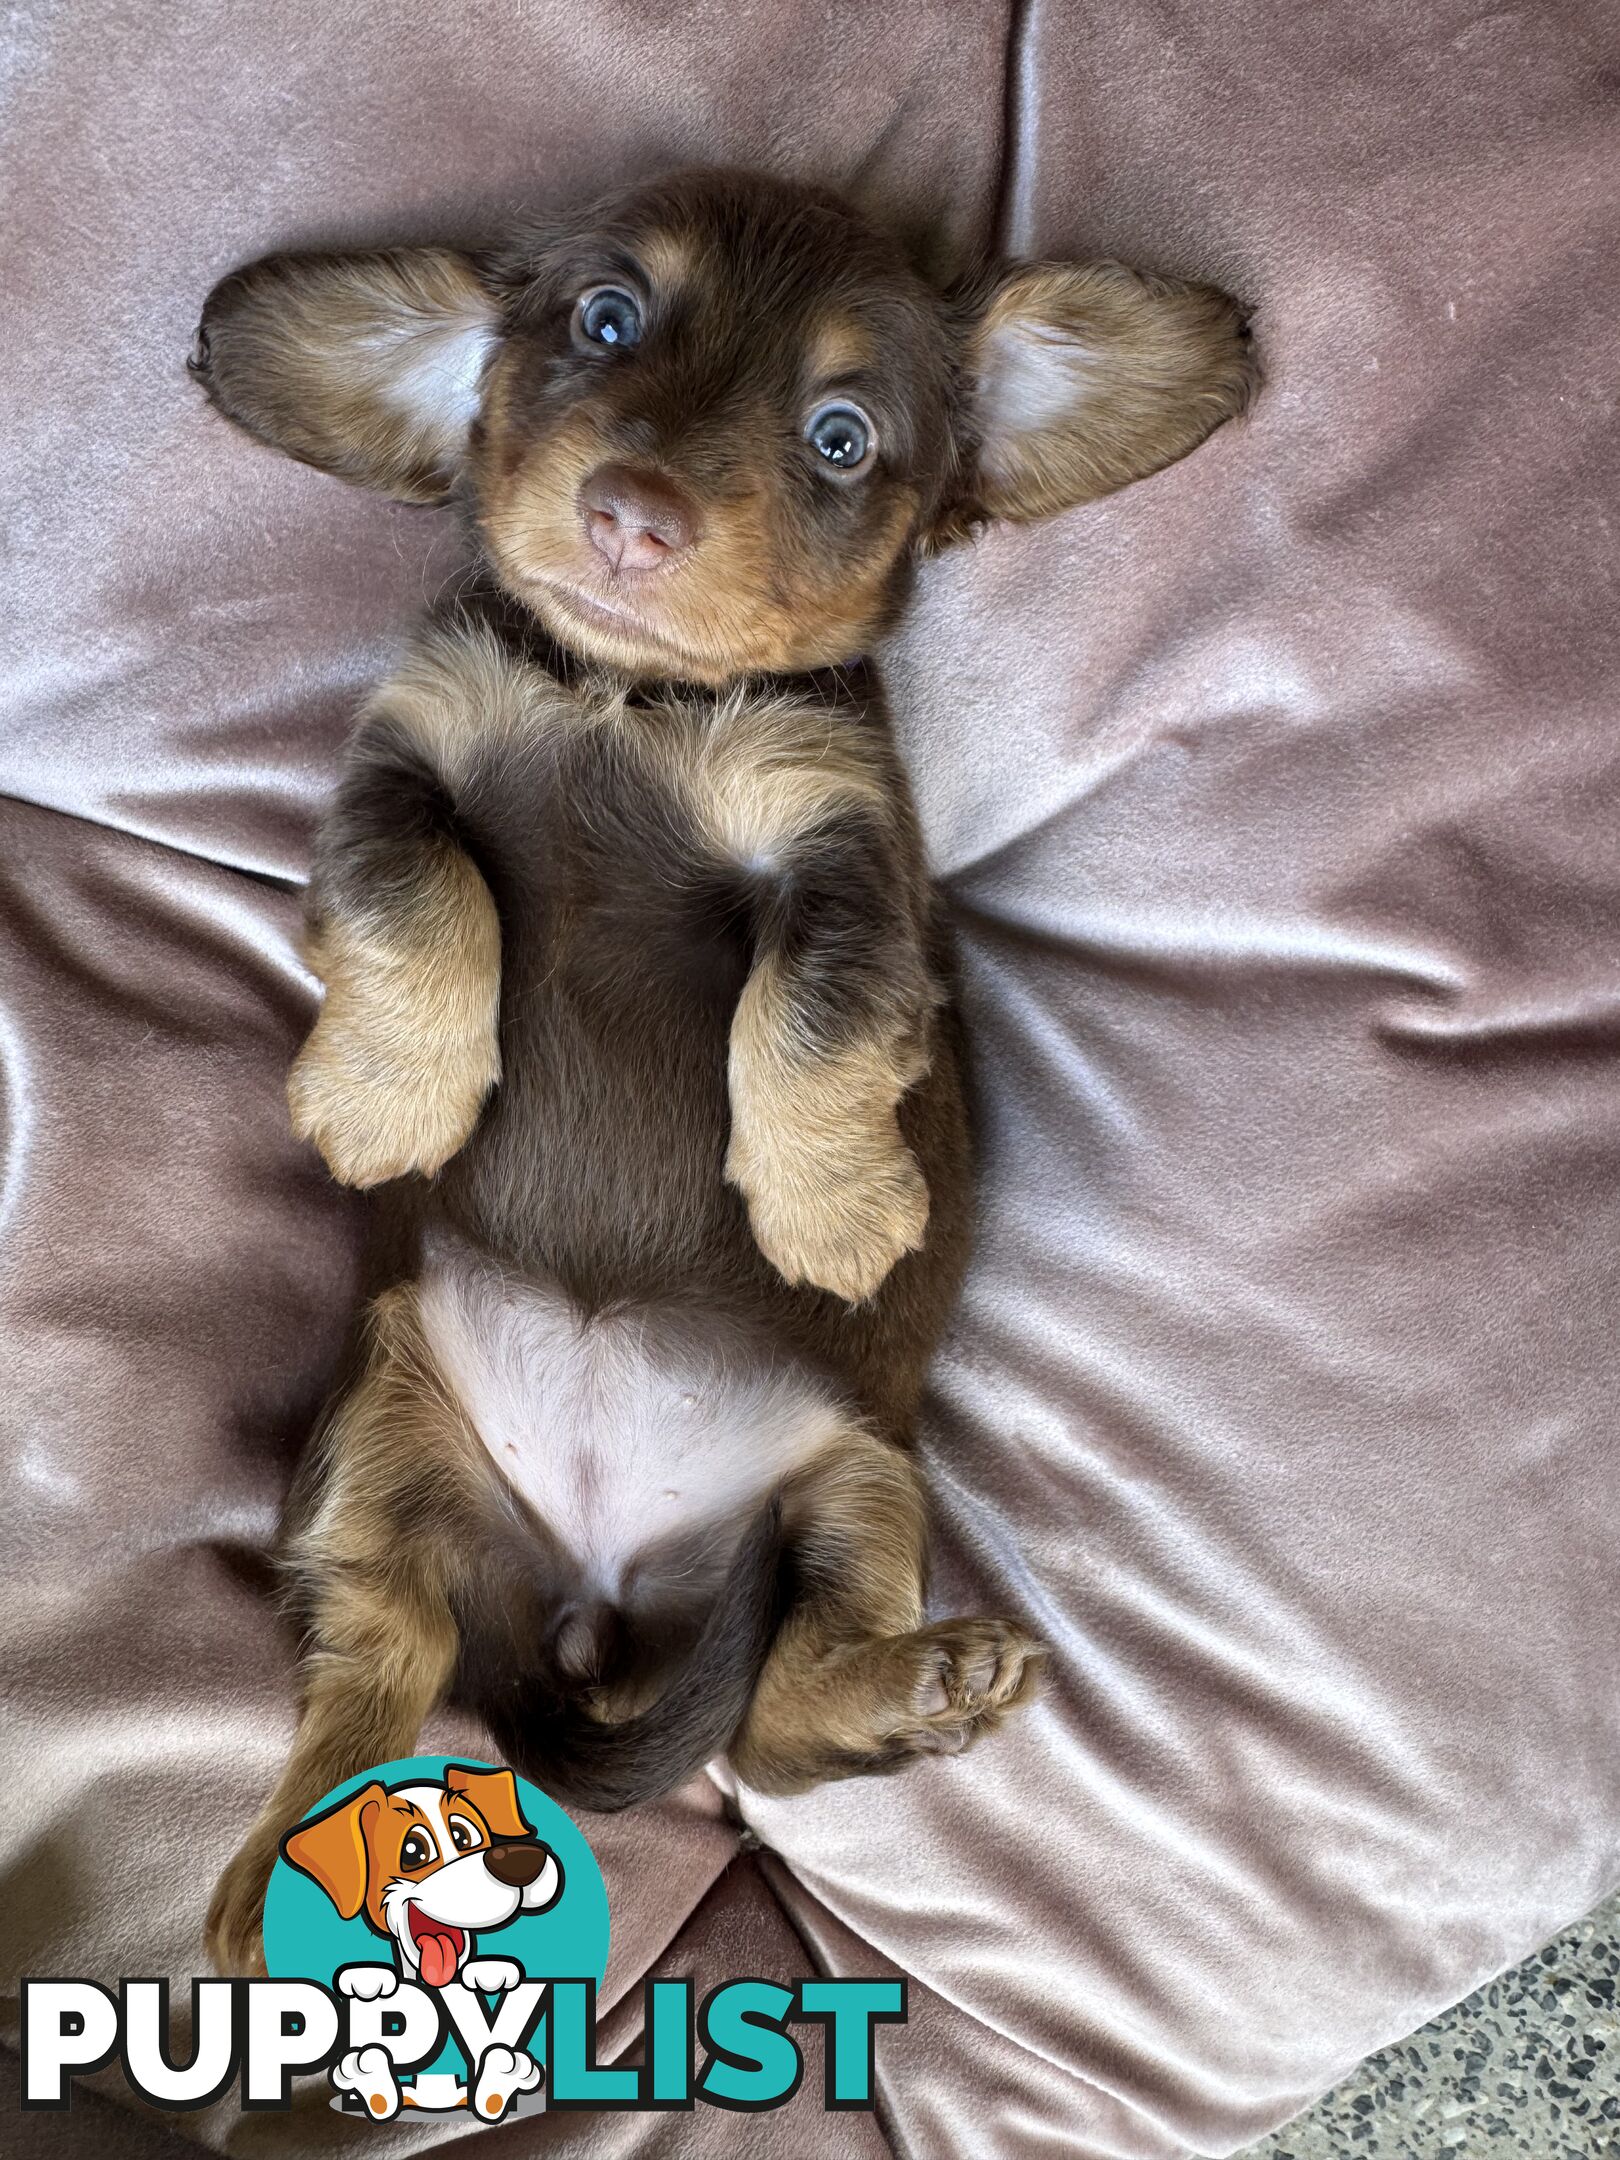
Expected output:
(605, 1767)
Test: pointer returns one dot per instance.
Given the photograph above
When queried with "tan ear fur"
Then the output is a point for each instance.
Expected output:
(332, 1849)
(369, 366)
(1089, 377)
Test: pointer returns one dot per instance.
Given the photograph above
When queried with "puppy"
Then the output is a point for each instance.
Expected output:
(632, 959)
(429, 1866)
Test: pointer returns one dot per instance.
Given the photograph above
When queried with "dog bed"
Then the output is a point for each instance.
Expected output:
(1277, 801)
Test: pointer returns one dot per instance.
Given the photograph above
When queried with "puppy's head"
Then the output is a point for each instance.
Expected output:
(429, 1866)
(708, 429)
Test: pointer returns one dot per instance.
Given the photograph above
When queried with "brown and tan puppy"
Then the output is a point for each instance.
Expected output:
(630, 949)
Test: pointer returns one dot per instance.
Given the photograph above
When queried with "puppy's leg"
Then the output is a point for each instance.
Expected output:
(857, 1680)
(831, 1030)
(382, 1639)
(403, 931)
(382, 1662)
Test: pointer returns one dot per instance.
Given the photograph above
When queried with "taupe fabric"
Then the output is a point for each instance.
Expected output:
(1278, 802)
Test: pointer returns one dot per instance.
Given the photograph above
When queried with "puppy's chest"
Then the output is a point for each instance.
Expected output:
(605, 869)
(669, 817)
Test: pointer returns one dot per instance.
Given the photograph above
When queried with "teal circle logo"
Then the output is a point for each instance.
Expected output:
(447, 1874)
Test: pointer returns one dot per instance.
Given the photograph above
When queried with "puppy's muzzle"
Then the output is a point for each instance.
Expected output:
(516, 1862)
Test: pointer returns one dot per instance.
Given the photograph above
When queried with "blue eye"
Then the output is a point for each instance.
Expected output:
(841, 435)
(609, 316)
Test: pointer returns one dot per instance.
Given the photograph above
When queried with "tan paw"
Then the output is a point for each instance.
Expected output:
(377, 1108)
(965, 1676)
(868, 1708)
(234, 1932)
(837, 1213)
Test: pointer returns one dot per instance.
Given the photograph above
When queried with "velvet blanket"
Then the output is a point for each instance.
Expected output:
(1277, 798)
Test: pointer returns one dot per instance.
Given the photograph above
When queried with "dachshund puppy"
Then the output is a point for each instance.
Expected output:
(632, 959)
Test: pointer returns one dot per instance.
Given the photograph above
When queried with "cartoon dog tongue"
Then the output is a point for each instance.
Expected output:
(437, 1946)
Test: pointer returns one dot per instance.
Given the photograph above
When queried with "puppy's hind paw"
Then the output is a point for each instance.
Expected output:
(967, 1675)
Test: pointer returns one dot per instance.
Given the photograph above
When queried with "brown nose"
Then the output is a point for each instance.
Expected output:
(638, 522)
(516, 1863)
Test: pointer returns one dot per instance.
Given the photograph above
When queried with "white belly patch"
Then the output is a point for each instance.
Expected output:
(619, 1429)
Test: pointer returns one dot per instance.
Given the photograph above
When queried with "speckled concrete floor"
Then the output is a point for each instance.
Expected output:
(1530, 2065)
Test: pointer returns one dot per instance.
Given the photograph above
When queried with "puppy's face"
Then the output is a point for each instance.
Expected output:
(717, 420)
(707, 430)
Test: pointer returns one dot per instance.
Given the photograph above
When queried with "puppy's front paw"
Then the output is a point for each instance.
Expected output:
(836, 1212)
(368, 1983)
(491, 1975)
(379, 1102)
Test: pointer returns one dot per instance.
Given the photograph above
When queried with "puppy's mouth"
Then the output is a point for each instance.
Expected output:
(613, 619)
(440, 1947)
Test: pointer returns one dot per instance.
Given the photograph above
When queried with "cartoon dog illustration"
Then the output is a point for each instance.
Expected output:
(430, 1867)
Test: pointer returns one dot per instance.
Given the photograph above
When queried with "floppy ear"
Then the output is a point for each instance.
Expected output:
(494, 1794)
(369, 366)
(332, 1849)
(1083, 379)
